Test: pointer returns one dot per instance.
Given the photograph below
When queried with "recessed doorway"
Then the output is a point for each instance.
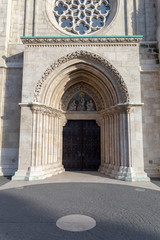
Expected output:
(81, 145)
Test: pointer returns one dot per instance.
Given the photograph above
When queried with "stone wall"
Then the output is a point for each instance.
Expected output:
(11, 120)
(29, 18)
(151, 120)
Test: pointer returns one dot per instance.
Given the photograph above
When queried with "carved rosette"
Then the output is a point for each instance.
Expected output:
(81, 16)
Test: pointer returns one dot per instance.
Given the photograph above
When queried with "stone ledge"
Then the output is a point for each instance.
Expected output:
(46, 41)
(150, 68)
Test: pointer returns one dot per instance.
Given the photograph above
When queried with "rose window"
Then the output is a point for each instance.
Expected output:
(82, 16)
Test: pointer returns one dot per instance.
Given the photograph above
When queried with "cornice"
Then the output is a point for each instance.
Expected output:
(63, 41)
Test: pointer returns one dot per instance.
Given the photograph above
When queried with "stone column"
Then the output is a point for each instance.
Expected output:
(34, 137)
(104, 141)
(39, 139)
(43, 137)
(49, 138)
(35, 170)
(46, 140)
(29, 18)
(25, 143)
(122, 144)
(62, 123)
(55, 139)
(101, 124)
(107, 140)
(116, 145)
(36, 141)
(111, 144)
(131, 144)
(131, 17)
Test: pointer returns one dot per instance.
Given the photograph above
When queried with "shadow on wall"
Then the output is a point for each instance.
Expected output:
(143, 19)
(11, 114)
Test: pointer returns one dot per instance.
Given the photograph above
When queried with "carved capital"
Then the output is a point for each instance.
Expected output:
(45, 110)
(99, 122)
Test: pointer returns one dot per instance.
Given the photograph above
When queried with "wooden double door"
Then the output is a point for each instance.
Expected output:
(81, 145)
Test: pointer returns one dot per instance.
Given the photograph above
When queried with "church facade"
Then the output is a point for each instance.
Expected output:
(80, 88)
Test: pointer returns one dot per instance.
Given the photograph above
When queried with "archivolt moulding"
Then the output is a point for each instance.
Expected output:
(85, 55)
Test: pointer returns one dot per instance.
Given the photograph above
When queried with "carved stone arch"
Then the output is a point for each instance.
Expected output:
(92, 92)
(85, 55)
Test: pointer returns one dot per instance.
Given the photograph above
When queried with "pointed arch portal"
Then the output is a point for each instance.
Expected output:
(81, 86)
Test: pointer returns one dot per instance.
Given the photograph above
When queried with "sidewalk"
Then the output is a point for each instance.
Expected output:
(120, 210)
(66, 177)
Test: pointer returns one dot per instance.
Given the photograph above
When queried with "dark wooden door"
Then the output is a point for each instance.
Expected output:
(81, 145)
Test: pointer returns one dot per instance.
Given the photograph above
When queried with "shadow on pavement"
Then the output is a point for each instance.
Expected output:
(4, 180)
(121, 213)
(156, 181)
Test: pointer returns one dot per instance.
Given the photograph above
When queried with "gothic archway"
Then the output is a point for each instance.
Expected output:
(91, 59)
(105, 91)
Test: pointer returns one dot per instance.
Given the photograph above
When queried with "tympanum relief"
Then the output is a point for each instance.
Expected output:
(81, 102)
(82, 97)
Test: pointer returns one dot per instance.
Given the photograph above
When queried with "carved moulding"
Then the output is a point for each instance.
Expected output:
(97, 40)
(85, 55)
(121, 108)
(37, 108)
(85, 88)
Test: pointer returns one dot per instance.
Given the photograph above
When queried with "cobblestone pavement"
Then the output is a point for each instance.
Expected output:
(122, 212)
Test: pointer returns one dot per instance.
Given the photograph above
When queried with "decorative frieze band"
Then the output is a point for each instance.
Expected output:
(73, 40)
(43, 109)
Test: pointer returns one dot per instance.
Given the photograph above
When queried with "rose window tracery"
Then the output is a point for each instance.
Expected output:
(82, 16)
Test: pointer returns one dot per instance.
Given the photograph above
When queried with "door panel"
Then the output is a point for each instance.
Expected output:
(72, 145)
(91, 145)
(81, 145)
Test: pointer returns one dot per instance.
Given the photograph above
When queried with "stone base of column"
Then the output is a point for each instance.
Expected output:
(134, 176)
(113, 173)
(131, 175)
(103, 167)
(19, 175)
(39, 173)
(109, 170)
(121, 173)
(124, 173)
